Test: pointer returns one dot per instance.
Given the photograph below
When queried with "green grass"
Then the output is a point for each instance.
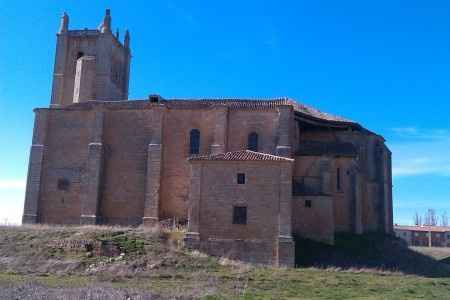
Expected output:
(155, 262)
(267, 283)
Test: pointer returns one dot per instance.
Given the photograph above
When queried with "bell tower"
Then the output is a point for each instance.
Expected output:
(90, 64)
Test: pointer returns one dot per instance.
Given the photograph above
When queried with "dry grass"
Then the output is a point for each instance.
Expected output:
(164, 270)
(33, 291)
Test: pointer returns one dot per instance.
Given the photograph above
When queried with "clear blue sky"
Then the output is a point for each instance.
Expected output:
(385, 64)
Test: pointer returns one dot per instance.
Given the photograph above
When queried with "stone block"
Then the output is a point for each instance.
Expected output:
(286, 252)
(88, 220)
(192, 240)
(29, 219)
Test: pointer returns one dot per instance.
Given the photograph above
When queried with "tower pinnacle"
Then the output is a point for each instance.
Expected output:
(90, 65)
(64, 24)
(126, 41)
(105, 26)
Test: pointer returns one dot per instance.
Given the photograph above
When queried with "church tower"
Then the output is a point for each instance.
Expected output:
(90, 64)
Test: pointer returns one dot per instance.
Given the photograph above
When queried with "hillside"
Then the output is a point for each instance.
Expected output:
(137, 263)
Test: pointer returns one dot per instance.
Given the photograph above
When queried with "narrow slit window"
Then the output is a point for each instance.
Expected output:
(308, 203)
(240, 215)
(241, 178)
(194, 141)
(252, 143)
(338, 179)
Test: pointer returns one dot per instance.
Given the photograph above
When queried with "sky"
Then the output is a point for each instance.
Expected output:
(384, 64)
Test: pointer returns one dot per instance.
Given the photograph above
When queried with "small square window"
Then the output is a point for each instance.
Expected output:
(241, 178)
(63, 184)
(308, 203)
(240, 215)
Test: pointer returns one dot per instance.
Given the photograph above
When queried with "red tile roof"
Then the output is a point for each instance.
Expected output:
(232, 103)
(238, 103)
(242, 155)
(422, 228)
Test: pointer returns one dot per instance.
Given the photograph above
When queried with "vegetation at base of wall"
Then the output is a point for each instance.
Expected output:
(369, 251)
(155, 266)
(125, 243)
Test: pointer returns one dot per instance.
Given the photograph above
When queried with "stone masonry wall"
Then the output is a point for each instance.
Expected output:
(110, 74)
(127, 136)
(125, 188)
(176, 128)
(315, 222)
(243, 122)
(175, 176)
(64, 166)
(220, 192)
(217, 192)
(364, 203)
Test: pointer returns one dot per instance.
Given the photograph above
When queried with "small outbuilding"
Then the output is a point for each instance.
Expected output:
(240, 207)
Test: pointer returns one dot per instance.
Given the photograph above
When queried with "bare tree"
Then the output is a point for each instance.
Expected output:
(431, 218)
(444, 219)
(417, 219)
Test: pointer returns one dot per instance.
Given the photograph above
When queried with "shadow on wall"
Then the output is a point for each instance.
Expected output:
(372, 251)
(445, 261)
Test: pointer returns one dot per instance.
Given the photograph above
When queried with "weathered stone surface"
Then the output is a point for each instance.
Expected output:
(266, 194)
(89, 65)
(126, 162)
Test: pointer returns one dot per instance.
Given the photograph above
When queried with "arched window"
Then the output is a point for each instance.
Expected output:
(252, 143)
(194, 140)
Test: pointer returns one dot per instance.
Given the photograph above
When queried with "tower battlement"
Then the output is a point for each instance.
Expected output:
(90, 64)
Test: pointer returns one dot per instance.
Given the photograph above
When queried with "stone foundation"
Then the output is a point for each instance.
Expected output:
(251, 251)
(88, 220)
(29, 219)
(150, 221)
(286, 251)
(192, 240)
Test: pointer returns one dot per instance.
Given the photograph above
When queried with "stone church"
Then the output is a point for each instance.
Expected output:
(245, 175)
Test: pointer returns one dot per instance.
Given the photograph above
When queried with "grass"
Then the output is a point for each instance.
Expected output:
(264, 283)
(156, 264)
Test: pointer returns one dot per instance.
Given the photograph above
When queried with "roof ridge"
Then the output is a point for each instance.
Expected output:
(242, 99)
(260, 153)
(240, 155)
(230, 102)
